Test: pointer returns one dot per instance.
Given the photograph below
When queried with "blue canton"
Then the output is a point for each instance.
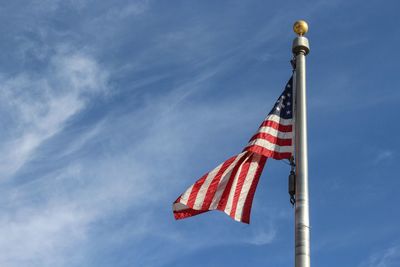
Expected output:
(284, 105)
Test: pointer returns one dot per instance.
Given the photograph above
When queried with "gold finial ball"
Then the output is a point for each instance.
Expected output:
(300, 27)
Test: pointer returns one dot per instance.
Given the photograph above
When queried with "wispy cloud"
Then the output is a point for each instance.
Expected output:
(134, 8)
(263, 236)
(389, 257)
(40, 236)
(384, 155)
(38, 106)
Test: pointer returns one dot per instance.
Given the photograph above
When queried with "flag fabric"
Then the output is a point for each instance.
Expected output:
(274, 138)
(230, 187)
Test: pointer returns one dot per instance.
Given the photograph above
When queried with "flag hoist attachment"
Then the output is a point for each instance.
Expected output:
(300, 49)
(292, 182)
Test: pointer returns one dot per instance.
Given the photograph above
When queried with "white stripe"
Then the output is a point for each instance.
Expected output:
(185, 196)
(179, 206)
(231, 196)
(222, 183)
(270, 146)
(204, 187)
(277, 119)
(246, 187)
(275, 132)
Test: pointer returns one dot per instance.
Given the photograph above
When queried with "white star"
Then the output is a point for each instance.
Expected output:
(288, 86)
(278, 108)
(288, 112)
(283, 97)
(288, 104)
(288, 94)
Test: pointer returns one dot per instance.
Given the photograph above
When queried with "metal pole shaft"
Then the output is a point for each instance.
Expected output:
(302, 220)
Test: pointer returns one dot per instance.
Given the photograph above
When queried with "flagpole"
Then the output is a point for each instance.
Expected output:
(300, 49)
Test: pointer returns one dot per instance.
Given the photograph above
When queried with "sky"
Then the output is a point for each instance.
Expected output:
(109, 110)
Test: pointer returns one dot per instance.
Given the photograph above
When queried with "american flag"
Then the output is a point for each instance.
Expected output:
(230, 187)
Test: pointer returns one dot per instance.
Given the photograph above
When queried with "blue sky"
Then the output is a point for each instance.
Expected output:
(111, 109)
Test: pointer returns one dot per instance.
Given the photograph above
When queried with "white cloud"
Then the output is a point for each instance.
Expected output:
(41, 224)
(134, 8)
(389, 257)
(38, 106)
(262, 236)
(40, 236)
(383, 155)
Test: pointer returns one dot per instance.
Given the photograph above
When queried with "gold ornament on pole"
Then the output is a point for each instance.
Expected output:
(300, 27)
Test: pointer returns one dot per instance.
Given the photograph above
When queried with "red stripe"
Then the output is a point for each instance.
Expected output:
(224, 198)
(195, 190)
(242, 177)
(272, 139)
(182, 214)
(277, 126)
(215, 182)
(268, 153)
(249, 199)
